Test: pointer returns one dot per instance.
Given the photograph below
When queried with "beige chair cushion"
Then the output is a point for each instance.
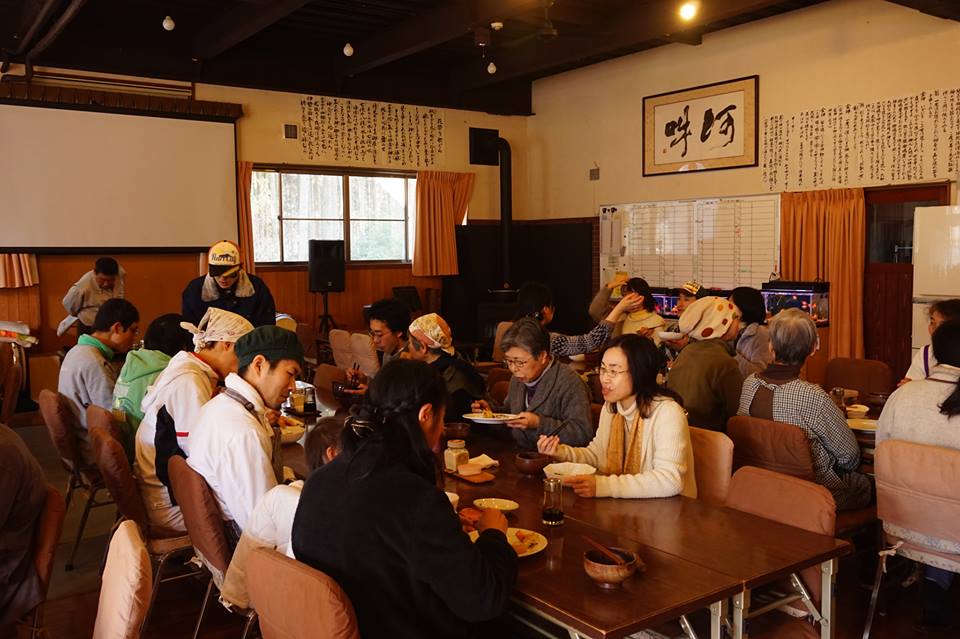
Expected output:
(782, 448)
(201, 516)
(864, 375)
(341, 347)
(295, 601)
(713, 461)
(365, 353)
(126, 586)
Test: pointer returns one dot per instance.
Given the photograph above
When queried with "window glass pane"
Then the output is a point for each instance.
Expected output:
(376, 240)
(297, 233)
(411, 216)
(376, 198)
(265, 214)
(890, 231)
(312, 196)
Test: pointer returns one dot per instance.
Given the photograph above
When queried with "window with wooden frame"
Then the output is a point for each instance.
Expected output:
(373, 211)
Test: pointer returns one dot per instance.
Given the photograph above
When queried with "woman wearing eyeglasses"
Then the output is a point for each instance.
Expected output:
(642, 448)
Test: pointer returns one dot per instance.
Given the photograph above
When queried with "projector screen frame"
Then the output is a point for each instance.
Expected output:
(118, 110)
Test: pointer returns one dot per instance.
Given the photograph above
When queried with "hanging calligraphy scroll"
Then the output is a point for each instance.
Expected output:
(915, 138)
(709, 127)
(377, 133)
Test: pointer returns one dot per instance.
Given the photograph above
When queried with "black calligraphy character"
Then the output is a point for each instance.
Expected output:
(682, 126)
(726, 123)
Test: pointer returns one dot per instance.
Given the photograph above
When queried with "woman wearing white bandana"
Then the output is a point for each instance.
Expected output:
(185, 385)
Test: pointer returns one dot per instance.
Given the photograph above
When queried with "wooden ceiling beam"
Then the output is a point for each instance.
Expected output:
(447, 22)
(642, 22)
(238, 23)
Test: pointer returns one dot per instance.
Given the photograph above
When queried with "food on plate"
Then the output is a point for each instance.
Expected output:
(487, 413)
(468, 518)
(523, 535)
(290, 422)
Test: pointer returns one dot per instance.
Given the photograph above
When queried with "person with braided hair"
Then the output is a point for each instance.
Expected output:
(375, 520)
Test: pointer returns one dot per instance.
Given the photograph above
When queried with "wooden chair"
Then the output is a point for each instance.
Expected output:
(62, 425)
(497, 355)
(918, 500)
(308, 339)
(11, 374)
(795, 502)
(286, 321)
(126, 586)
(864, 375)
(161, 543)
(499, 393)
(497, 375)
(204, 522)
(364, 353)
(295, 601)
(713, 464)
(46, 536)
(323, 379)
(341, 347)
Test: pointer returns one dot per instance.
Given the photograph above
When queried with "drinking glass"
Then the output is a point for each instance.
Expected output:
(552, 501)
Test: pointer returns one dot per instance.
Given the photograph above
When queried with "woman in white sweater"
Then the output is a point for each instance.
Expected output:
(642, 448)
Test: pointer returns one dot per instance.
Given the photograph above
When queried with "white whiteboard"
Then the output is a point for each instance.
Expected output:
(720, 242)
(73, 179)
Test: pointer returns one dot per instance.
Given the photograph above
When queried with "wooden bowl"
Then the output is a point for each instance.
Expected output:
(605, 572)
(531, 463)
(456, 430)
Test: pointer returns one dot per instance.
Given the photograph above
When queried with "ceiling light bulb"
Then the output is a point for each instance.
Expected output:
(169, 24)
(348, 49)
(491, 68)
(496, 25)
(688, 10)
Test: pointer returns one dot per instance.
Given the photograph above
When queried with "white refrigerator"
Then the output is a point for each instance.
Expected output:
(936, 263)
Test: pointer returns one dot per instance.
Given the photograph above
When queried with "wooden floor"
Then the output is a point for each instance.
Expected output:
(71, 611)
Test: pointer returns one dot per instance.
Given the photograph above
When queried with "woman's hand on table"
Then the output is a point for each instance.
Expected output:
(479, 405)
(492, 518)
(526, 420)
(583, 485)
(548, 445)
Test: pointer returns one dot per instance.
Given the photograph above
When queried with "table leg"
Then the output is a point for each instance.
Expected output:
(687, 627)
(741, 604)
(716, 618)
(828, 570)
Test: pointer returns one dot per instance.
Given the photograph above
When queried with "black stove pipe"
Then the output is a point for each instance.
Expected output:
(506, 210)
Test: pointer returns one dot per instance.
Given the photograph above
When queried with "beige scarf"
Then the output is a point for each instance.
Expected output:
(623, 457)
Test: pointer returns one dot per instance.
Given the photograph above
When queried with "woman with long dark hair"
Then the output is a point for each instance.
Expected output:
(642, 448)
(375, 521)
(927, 411)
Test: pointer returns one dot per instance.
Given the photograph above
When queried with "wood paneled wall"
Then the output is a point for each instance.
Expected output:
(21, 305)
(364, 284)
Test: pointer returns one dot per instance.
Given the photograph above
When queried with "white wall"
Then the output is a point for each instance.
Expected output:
(837, 52)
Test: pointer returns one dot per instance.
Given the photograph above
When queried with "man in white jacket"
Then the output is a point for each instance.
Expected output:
(233, 440)
(185, 385)
(85, 297)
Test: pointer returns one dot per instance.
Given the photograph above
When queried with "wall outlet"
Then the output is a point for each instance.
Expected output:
(595, 174)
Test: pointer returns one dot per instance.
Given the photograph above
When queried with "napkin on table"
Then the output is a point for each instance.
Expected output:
(485, 461)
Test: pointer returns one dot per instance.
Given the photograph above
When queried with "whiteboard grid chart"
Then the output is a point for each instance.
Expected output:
(720, 242)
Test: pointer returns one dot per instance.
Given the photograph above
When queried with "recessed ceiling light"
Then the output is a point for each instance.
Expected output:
(491, 68)
(348, 49)
(688, 10)
(169, 24)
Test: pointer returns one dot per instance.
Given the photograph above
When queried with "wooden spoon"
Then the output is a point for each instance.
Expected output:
(620, 561)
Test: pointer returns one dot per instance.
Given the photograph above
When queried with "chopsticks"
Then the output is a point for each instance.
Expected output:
(609, 554)
(557, 430)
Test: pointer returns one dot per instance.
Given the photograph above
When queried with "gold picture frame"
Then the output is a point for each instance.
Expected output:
(704, 128)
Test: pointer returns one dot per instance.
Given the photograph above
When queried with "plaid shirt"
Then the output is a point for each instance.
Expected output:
(833, 447)
(567, 345)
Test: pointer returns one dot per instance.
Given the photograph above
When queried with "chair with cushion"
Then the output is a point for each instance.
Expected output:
(161, 543)
(498, 394)
(497, 355)
(497, 375)
(864, 375)
(784, 448)
(204, 522)
(11, 374)
(364, 353)
(295, 601)
(308, 339)
(795, 502)
(125, 591)
(918, 500)
(323, 379)
(713, 462)
(62, 425)
(46, 536)
(341, 347)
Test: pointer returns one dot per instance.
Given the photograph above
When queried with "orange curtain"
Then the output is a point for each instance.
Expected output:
(442, 199)
(18, 270)
(244, 215)
(823, 237)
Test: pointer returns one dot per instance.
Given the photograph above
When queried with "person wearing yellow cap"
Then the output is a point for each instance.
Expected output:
(229, 287)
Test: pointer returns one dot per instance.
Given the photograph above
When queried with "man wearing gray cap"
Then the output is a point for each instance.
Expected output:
(233, 440)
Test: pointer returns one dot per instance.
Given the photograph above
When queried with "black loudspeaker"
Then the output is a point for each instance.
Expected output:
(327, 262)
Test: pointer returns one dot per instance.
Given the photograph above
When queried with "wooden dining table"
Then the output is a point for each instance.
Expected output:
(696, 554)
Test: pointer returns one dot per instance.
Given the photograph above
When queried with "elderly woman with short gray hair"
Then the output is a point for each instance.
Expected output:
(546, 395)
(779, 394)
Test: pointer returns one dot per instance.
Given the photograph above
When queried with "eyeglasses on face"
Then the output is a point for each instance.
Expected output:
(514, 363)
(608, 373)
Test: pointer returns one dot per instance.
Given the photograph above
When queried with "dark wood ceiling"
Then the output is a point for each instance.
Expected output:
(415, 51)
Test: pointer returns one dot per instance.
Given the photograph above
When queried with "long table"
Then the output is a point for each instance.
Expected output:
(729, 550)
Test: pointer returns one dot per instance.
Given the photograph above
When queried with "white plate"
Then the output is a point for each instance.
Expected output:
(669, 336)
(568, 469)
(291, 434)
(506, 505)
(498, 418)
(862, 424)
(532, 544)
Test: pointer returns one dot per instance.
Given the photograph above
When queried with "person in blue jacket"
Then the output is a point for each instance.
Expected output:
(229, 287)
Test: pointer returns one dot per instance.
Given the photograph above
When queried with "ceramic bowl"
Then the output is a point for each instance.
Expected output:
(605, 572)
(857, 411)
(531, 463)
(876, 399)
(568, 469)
(456, 430)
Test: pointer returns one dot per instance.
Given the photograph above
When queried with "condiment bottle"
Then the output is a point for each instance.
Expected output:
(455, 454)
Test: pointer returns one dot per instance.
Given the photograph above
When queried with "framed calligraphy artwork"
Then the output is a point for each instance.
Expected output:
(713, 126)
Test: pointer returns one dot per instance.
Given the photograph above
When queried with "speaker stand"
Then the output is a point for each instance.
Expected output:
(326, 320)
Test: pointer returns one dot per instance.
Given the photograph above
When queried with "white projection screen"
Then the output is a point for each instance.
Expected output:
(81, 179)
